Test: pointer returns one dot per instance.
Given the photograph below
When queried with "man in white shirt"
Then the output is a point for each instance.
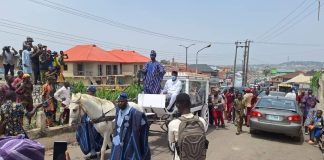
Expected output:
(64, 96)
(172, 88)
(8, 60)
(291, 94)
(183, 104)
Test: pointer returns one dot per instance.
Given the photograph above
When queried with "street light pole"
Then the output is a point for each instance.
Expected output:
(186, 54)
(235, 63)
(197, 56)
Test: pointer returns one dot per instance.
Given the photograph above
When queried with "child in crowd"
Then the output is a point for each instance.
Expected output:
(217, 111)
(316, 128)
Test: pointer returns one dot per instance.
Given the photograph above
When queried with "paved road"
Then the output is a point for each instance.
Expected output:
(225, 145)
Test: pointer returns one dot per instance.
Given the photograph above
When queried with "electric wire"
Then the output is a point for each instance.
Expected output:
(110, 22)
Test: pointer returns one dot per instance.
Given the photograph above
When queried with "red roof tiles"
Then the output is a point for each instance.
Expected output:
(129, 56)
(92, 53)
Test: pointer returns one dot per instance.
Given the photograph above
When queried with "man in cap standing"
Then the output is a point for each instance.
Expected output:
(87, 136)
(153, 75)
(130, 138)
(37, 51)
(26, 61)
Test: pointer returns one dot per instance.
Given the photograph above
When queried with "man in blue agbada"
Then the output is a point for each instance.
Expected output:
(153, 75)
(130, 138)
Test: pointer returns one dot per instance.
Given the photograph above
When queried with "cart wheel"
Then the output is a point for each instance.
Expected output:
(204, 113)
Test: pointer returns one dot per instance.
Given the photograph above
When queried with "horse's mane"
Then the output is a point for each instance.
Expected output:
(97, 100)
(103, 104)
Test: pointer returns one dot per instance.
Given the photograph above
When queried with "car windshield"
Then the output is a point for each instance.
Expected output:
(277, 103)
(279, 94)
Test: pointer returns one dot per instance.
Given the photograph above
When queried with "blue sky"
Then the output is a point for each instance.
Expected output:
(209, 20)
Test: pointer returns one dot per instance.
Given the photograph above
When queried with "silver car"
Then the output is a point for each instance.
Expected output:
(272, 93)
(277, 115)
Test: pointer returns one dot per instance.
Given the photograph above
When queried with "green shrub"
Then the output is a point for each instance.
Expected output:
(110, 94)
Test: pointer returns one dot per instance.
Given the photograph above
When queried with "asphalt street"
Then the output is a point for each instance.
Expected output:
(225, 145)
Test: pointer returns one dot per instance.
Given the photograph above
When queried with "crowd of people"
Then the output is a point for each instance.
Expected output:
(231, 105)
(187, 132)
(36, 66)
(36, 60)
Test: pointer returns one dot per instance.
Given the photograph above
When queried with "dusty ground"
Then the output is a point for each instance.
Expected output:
(224, 145)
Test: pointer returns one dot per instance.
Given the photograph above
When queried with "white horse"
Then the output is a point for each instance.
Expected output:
(95, 108)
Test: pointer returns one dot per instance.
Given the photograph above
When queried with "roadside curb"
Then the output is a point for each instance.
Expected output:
(49, 132)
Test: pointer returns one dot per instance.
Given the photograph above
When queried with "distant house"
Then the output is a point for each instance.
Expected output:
(275, 71)
(104, 67)
(275, 81)
(204, 69)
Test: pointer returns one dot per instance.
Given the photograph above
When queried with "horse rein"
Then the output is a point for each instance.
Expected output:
(95, 119)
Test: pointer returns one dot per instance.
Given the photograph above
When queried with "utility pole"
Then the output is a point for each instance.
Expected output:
(244, 64)
(186, 54)
(247, 61)
(236, 46)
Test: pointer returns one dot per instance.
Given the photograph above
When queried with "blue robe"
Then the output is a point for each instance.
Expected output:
(89, 139)
(26, 61)
(132, 137)
(154, 72)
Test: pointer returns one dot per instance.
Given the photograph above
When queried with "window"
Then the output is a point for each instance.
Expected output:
(99, 70)
(115, 69)
(108, 70)
(80, 69)
(135, 69)
(65, 67)
(141, 66)
(121, 69)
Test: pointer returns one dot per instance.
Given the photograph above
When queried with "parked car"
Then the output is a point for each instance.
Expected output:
(272, 93)
(277, 115)
(1, 74)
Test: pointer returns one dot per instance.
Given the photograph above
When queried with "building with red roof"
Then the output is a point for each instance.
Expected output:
(96, 63)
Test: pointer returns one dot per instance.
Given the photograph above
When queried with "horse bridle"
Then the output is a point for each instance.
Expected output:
(81, 108)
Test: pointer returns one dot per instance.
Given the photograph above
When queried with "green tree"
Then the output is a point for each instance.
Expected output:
(266, 72)
(315, 80)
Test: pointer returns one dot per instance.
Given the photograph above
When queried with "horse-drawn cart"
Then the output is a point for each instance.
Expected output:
(196, 86)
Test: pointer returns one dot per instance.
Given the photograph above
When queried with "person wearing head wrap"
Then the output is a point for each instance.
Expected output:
(24, 92)
(48, 91)
(153, 75)
(16, 83)
(130, 138)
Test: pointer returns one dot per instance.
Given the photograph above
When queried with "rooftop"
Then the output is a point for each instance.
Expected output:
(93, 53)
